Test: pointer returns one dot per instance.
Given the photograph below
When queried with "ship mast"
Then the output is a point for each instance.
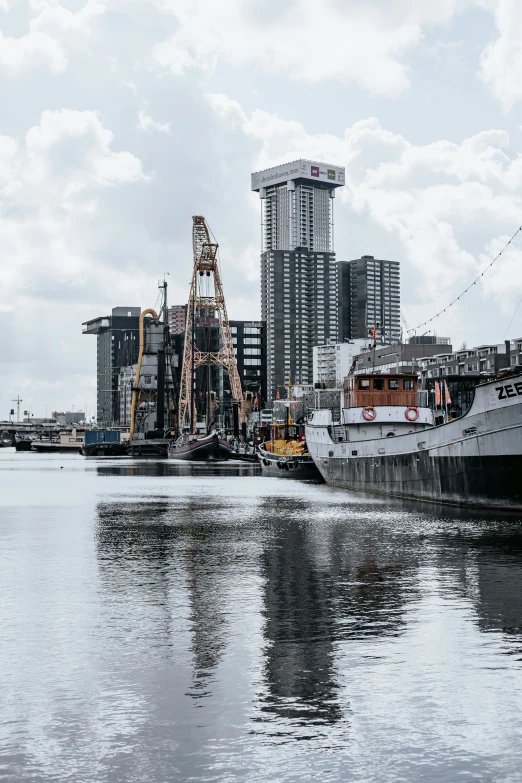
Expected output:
(206, 298)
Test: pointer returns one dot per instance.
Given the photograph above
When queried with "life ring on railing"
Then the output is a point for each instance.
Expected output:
(411, 413)
(369, 413)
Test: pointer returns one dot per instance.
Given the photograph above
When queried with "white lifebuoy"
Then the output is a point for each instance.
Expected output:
(411, 413)
(369, 413)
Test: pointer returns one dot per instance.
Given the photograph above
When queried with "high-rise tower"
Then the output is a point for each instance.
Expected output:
(369, 296)
(298, 270)
(118, 346)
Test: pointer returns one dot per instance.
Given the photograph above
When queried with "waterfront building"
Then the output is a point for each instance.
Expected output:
(332, 362)
(69, 417)
(369, 297)
(177, 316)
(483, 360)
(401, 357)
(249, 342)
(299, 299)
(117, 346)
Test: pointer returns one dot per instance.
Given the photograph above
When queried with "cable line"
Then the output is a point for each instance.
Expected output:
(425, 323)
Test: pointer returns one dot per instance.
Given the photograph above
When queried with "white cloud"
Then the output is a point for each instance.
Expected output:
(501, 60)
(49, 186)
(430, 199)
(356, 42)
(148, 124)
(53, 32)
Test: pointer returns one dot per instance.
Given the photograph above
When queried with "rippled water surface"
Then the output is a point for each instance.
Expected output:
(166, 622)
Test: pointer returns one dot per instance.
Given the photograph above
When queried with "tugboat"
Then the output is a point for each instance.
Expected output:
(384, 440)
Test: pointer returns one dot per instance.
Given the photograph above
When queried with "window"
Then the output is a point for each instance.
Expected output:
(393, 384)
(408, 384)
(378, 384)
(252, 351)
(364, 384)
(146, 378)
(252, 330)
(233, 329)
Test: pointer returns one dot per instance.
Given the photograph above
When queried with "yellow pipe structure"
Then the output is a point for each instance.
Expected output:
(134, 402)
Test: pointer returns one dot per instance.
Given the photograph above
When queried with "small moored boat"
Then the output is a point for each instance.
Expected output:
(286, 454)
(209, 447)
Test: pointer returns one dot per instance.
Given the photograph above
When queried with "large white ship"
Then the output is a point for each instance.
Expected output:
(384, 440)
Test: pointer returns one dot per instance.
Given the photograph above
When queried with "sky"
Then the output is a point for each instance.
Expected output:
(120, 119)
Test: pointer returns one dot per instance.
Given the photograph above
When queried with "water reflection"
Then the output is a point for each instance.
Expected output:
(171, 555)
(167, 621)
(166, 467)
(490, 575)
(323, 587)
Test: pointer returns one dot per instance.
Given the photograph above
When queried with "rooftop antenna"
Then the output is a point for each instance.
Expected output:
(18, 401)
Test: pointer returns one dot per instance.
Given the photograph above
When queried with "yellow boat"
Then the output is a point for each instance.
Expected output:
(286, 454)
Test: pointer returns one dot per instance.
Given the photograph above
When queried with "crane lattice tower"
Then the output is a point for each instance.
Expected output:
(206, 299)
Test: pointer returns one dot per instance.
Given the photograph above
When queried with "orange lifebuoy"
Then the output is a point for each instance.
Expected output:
(409, 411)
(369, 413)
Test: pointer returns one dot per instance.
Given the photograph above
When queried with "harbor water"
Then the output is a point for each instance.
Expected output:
(165, 621)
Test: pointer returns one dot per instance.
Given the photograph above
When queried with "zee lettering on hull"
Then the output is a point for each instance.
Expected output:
(509, 390)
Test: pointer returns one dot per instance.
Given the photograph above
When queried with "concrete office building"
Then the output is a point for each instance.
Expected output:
(68, 417)
(177, 315)
(332, 362)
(298, 270)
(369, 296)
(250, 347)
(118, 346)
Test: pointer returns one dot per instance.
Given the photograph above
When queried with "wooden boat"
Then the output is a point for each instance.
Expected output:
(286, 454)
(210, 447)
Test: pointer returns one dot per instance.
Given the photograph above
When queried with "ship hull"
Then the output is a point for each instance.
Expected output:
(288, 466)
(105, 449)
(211, 449)
(56, 447)
(490, 481)
(475, 460)
(23, 445)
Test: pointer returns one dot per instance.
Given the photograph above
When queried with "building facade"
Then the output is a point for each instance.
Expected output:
(369, 297)
(117, 346)
(69, 417)
(250, 347)
(299, 297)
(333, 361)
(177, 315)
(400, 357)
(481, 361)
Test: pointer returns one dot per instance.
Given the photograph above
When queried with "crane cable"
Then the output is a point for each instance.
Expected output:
(424, 323)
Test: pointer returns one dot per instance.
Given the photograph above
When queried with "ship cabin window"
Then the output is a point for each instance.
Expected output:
(393, 384)
(378, 384)
(408, 384)
(364, 384)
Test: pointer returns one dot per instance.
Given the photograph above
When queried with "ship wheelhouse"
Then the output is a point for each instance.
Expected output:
(378, 405)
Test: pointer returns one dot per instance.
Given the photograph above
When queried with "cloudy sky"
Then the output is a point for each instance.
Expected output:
(120, 119)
